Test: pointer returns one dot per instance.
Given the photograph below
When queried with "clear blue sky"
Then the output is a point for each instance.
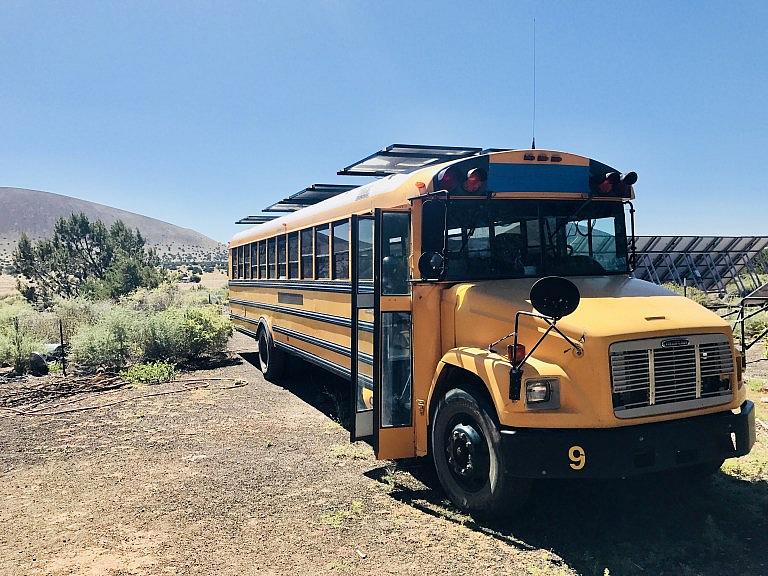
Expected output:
(199, 113)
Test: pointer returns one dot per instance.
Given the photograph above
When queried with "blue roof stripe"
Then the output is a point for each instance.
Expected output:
(538, 178)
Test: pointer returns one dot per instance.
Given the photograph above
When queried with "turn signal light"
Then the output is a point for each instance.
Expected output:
(476, 179)
(515, 353)
(616, 183)
(447, 179)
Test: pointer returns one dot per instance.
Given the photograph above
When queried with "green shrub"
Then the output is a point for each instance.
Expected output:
(150, 373)
(698, 296)
(163, 337)
(161, 298)
(112, 342)
(77, 312)
(20, 328)
(206, 331)
(756, 325)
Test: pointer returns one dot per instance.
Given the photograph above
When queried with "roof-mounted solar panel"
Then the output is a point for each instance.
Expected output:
(257, 219)
(309, 196)
(403, 158)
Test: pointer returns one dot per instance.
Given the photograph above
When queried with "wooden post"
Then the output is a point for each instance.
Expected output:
(63, 351)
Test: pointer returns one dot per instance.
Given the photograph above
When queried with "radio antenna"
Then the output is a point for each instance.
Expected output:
(533, 127)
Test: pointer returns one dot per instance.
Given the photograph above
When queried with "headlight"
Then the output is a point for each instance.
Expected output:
(542, 393)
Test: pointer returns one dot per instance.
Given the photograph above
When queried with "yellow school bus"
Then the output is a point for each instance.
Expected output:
(483, 310)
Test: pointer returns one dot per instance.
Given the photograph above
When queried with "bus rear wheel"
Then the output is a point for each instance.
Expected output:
(271, 360)
(466, 449)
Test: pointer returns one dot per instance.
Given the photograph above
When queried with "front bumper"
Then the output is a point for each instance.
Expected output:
(628, 450)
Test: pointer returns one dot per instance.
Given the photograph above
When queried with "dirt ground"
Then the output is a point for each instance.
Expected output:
(261, 479)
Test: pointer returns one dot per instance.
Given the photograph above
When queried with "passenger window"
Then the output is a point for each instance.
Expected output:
(271, 263)
(233, 273)
(341, 250)
(247, 268)
(240, 262)
(281, 256)
(365, 249)
(395, 250)
(293, 255)
(322, 248)
(262, 259)
(254, 260)
(306, 254)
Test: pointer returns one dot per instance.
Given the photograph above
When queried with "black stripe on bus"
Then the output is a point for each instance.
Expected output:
(337, 348)
(337, 369)
(313, 285)
(319, 316)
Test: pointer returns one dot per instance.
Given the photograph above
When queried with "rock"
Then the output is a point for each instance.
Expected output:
(37, 365)
(53, 351)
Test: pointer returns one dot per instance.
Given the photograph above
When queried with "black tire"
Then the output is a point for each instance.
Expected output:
(271, 360)
(482, 489)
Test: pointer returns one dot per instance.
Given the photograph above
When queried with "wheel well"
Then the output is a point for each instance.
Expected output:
(455, 377)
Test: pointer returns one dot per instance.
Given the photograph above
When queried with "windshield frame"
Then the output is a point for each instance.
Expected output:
(545, 209)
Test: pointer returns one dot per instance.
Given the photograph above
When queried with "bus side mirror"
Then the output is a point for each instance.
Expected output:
(434, 217)
(555, 297)
(431, 265)
(433, 220)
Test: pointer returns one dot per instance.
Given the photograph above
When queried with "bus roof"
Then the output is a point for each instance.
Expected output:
(539, 172)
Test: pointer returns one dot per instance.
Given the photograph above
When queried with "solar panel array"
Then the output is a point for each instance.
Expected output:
(706, 262)
(309, 196)
(394, 159)
(403, 158)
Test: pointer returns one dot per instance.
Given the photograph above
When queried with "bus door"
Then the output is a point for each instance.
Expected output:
(392, 366)
(382, 380)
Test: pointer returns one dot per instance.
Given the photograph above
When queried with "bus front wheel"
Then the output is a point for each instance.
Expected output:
(271, 360)
(466, 449)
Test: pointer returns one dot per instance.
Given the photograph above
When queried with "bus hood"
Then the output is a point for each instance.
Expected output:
(610, 306)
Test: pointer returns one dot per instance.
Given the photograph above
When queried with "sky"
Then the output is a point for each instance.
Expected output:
(199, 113)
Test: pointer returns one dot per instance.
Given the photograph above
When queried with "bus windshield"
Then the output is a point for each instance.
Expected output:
(534, 238)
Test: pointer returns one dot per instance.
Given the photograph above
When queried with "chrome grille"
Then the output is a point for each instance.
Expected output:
(662, 375)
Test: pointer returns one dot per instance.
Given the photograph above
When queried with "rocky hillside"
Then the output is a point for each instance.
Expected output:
(35, 213)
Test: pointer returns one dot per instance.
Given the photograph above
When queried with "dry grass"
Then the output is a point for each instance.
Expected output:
(7, 285)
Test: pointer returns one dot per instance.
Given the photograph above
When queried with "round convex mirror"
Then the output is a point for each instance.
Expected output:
(431, 265)
(555, 296)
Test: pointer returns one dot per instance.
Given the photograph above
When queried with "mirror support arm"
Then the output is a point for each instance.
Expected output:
(633, 242)
(516, 373)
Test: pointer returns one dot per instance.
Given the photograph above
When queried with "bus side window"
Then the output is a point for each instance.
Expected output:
(281, 256)
(293, 255)
(247, 269)
(254, 261)
(322, 249)
(341, 250)
(262, 259)
(271, 253)
(395, 246)
(306, 254)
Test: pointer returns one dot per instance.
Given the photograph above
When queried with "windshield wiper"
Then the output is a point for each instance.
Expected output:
(565, 221)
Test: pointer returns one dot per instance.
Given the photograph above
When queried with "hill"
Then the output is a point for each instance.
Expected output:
(35, 212)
